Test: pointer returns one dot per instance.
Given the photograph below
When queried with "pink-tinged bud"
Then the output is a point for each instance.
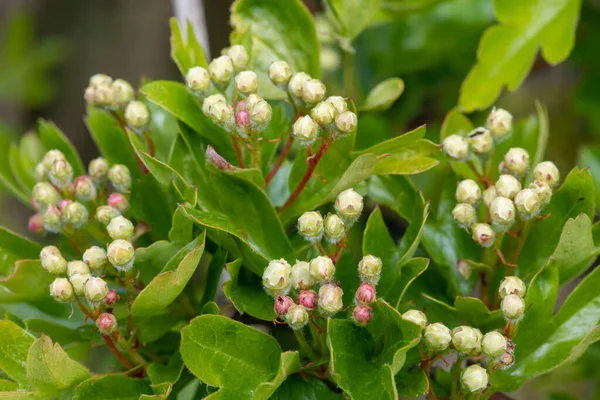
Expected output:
(362, 315)
(119, 202)
(36, 224)
(308, 299)
(62, 205)
(242, 118)
(52, 219)
(85, 190)
(106, 323)
(365, 294)
(282, 304)
(112, 297)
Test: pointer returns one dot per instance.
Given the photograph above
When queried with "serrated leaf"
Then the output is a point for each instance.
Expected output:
(14, 345)
(112, 386)
(189, 54)
(244, 289)
(354, 15)
(53, 138)
(382, 96)
(575, 250)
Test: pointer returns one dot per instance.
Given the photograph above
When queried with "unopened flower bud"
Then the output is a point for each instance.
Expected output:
(280, 73)
(362, 315)
(365, 294)
(468, 191)
(61, 173)
(78, 282)
(52, 218)
(40, 172)
(106, 323)
(513, 307)
(547, 172)
(481, 141)
(261, 113)
(505, 361)
(44, 195)
(95, 290)
(528, 203)
(122, 91)
(198, 79)
(104, 214)
(221, 113)
(95, 258)
(305, 129)
(349, 204)
(301, 277)
(338, 103)
(62, 290)
(474, 378)
(456, 147)
(52, 261)
(467, 340)
(499, 122)
(221, 70)
(330, 299)
(493, 344)
(416, 317)
(250, 101)
(369, 269)
(120, 228)
(121, 254)
(239, 56)
(104, 95)
(77, 268)
(76, 214)
(323, 113)
(120, 177)
(210, 101)
(118, 201)
(282, 305)
(346, 122)
(62, 205)
(112, 297)
(277, 277)
(464, 214)
(98, 170)
(543, 190)
(489, 195)
(296, 316)
(502, 211)
(308, 299)
(516, 160)
(310, 225)
(137, 114)
(507, 186)
(437, 337)
(484, 235)
(36, 224)
(51, 157)
(313, 91)
(85, 190)
(242, 118)
(322, 269)
(100, 79)
(334, 228)
(246, 82)
(297, 82)
(89, 95)
(512, 285)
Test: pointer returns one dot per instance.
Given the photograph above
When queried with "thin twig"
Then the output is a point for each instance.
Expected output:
(117, 353)
(281, 159)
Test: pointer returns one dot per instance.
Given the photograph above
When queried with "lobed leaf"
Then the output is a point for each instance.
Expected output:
(14, 345)
(186, 53)
(245, 290)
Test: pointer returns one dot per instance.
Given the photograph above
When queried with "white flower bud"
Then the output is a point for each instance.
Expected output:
(51, 157)
(62, 290)
(301, 277)
(305, 129)
(528, 203)
(198, 79)
(437, 337)
(499, 122)
(489, 195)
(547, 172)
(210, 101)
(468, 191)
(122, 90)
(369, 269)
(95, 290)
(481, 141)
(474, 378)
(40, 172)
(261, 113)
(104, 214)
(121, 254)
(61, 173)
(416, 317)
(512, 285)
(516, 160)
(280, 73)
(297, 83)
(493, 344)
(323, 113)
(106, 323)
(484, 235)
(246, 82)
(221, 113)
(313, 91)
(104, 95)
(322, 269)
(296, 317)
(52, 219)
(467, 340)
(464, 214)
(334, 228)
(137, 114)
(330, 299)
(120, 177)
(98, 170)
(85, 190)
(239, 56)
(502, 211)
(52, 261)
(77, 268)
(76, 214)
(512, 307)
(346, 122)
(456, 147)
(78, 282)
(44, 195)
(338, 103)
(250, 101)
(507, 186)
(221, 70)
(349, 204)
(310, 225)
(95, 258)
(100, 79)
(543, 190)
(89, 95)
(120, 228)
(277, 277)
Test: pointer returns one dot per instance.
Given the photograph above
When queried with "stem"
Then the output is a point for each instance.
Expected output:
(304, 347)
(125, 346)
(522, 236)
(130, 293)
(455, 375)
(348, 64)
(321, 249)
(281, 159)
(238, 151)
(117, 353)
(84, 310)
(255, 155)
(340, 250)
(150, 143)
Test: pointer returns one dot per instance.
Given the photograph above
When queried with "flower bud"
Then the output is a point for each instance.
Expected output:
(280, 73)
(507, 186)
(221, 113)
(338, 103)
(120, 177)
(246, 82)
(543, 190)
(308, 299)
(95, 258)
(499, 122)
(239, 56)
(349, 204)
(489, 195)
(137, 114)
(310, 225)
(120, 228)
(95, 290)
(121, 254)
(502, 211)
(505, 361)
(437, 337)
(122, 90)
(51, 157)
(528, 203)
(210, 101)
(516, 160)
(104, 95)
(493, 344)
(119, 202)
(52, 261)
(334, 228)
(261, 113)
(416, 317)
(323, 113)
(277, 277)
(62, 290)
(512, 285)
(40, 173)
(242, 118)
(85, 190)
(282, 304)
(330, 299)
(297, 83)
(365, 294)
(547, 172)
(313, 91)
(464, 214)
(78, 282)
(474, 378)
(296, 316)
(467, 340)
(44, 195)
(305, 130)
(513, 307)
(322, 269)
(301, 277)
(77, 268)
(104, 214)
(346, 122)
(89, 95)
(112, 297)
(100, 79)
(198, 79)
(36, 224)
(481, 141)
(484, 235)
(468, 191)
(456, 147)
(76, 214)
(106, 323)
(52, 219)
(61, 173)
(98, 170)
(362, 315)
(221, 70)
(369, 269)
(250, 101)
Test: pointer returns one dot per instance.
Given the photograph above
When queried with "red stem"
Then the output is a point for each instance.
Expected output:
(238, 152)
(150, 142)
(117, 353)
(282, 157)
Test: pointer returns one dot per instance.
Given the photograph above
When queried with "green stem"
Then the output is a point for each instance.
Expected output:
(348, 64)
(455, 376)
(255, 155)
(304, 347)
(135, 356)
(130, 294)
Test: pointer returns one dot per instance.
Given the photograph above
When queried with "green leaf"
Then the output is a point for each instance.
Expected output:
(412, 382)
(50, 370)
(59, 333)
(20, 395)
(28, 282)
(401, 6)
(508, 49)
(22, 172)
(473, 312)
(189, 54)
(14, 247)
(112, 386)
(364, 360)
(7, 385)
(290, 363)
(171, 281)
(589, 157)
(6, 178)
(244, 289)
(354, 15)
(212, 277)
(14, 344)
(52, 138)
(309, 388)
(276, 33)
(382, 96)
(575, 250)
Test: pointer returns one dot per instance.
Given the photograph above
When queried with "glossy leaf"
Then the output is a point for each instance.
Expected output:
(354, 15)
(407, 5)
(575, 250)
(112, 386)
(14, 345)
(27, 282)
(297, 388)
(589, 157)
(53, 138)
(21, 171)
(245, 290)
(186, 53)
(382, 96)
(412, 382)
(14, 247)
